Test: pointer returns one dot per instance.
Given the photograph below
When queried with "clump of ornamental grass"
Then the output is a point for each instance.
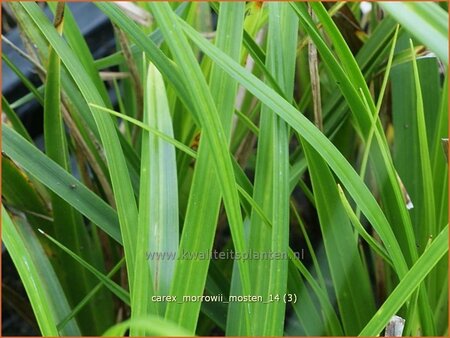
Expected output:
(232, 168)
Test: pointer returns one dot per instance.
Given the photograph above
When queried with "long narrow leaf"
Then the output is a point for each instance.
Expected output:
(204, 200)
(39, 279)
(125, 201)
(61, 182)
(423, 266)
(321, 144)
(116, 289)
(426, 21)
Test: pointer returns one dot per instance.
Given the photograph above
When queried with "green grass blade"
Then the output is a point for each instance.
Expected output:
(79, 45)
(410, 282)
(37, 276)
(167, 68)
(27, 83)
(219, 137)
(158, 205)
(345, 71)
(333, 325)
(272, 173)
(68, 225)
(195, 238)
(61, 182)
(211, 127)
(20, 192)
(306, 311)
(156, 37)
(350, 179)
(376, 247)
(378, 108)
(155, 326)
(15, 121)
(439, 164)
(427, 180)
(426, 21)
(116, 289)
(76, 309)
(343, 51)
(152, 130)
(356, 305)
(440, 177)
(33, 36)
(123, 191)
(429, 206)
(350, 81)
(407, 158)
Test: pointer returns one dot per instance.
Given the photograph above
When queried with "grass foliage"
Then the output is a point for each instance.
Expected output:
(275, 127)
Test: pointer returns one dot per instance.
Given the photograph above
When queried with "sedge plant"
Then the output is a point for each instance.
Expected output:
(232, 168)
